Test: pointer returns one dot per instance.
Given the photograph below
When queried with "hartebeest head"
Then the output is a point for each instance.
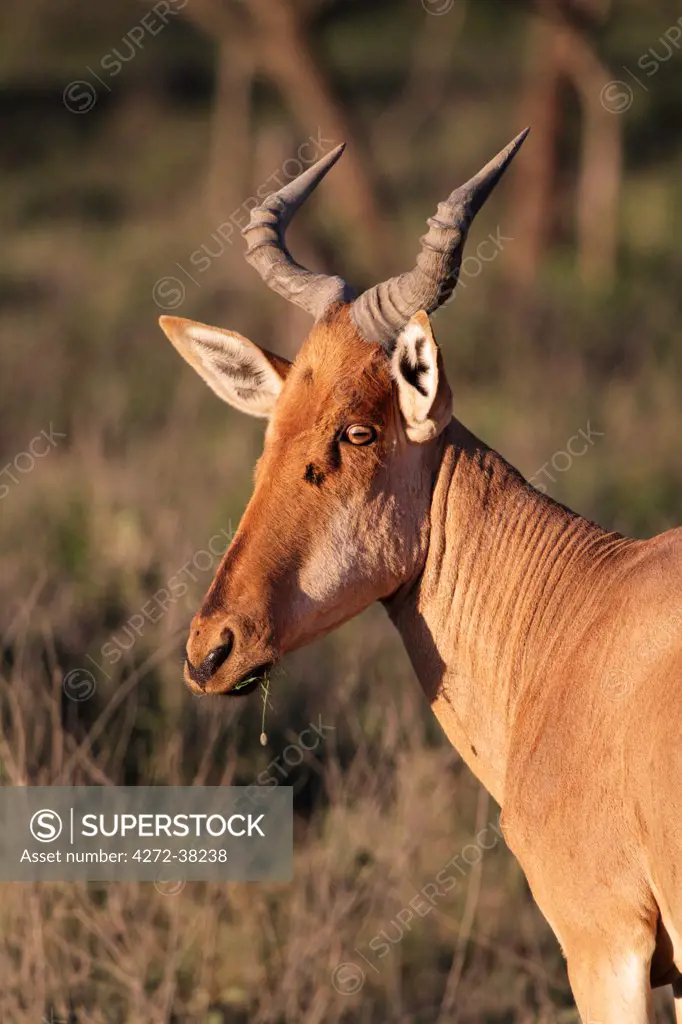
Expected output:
(339, 515)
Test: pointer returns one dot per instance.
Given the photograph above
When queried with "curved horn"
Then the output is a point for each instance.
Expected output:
(267, 251)
(381, 312)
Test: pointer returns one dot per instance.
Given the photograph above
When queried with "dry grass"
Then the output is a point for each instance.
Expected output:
(151, 467)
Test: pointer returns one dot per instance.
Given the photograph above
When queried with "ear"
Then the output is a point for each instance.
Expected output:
(248, 377)
(423, 390)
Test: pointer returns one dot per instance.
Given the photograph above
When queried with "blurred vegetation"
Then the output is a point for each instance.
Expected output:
(574, 322)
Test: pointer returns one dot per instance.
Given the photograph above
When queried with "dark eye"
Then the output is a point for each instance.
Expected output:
(360, 433)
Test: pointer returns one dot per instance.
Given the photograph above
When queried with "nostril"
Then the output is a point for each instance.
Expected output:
(217, 657)
(212, 662)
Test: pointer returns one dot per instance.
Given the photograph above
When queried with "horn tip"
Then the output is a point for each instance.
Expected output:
(500, 163)
(333, 155)
(517, 142)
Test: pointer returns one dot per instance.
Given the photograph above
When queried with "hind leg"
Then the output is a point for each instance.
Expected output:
(611, 989)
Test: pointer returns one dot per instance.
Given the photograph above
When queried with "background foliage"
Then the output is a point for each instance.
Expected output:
(108, 188)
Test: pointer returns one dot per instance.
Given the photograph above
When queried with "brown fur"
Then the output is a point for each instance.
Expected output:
(337, 380)
(550, 649)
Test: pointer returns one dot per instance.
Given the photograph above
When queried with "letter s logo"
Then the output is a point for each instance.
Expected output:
(45, 826)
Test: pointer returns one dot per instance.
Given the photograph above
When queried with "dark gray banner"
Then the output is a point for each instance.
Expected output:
(161, 834)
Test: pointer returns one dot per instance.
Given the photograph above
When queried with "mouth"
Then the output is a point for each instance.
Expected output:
(244, 685)
(248, 683)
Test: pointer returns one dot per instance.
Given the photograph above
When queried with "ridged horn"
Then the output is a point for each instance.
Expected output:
(381, 312)
(267, 251)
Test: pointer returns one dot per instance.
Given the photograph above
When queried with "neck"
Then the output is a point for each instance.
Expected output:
(508, 585)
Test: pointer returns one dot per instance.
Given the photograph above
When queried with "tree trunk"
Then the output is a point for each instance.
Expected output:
(562, 50)
(285, 57)
(533, 196)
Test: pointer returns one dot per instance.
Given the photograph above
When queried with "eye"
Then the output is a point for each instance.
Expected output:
(360, 433)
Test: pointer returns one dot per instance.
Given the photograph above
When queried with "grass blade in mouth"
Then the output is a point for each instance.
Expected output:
(265, 685)
(246, 682)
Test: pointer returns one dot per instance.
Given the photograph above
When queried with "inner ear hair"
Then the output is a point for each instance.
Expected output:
(423, 390)
(413, 372)
(240, 372)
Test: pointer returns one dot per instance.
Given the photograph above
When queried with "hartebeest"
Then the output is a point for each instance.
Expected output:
(550, 649)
